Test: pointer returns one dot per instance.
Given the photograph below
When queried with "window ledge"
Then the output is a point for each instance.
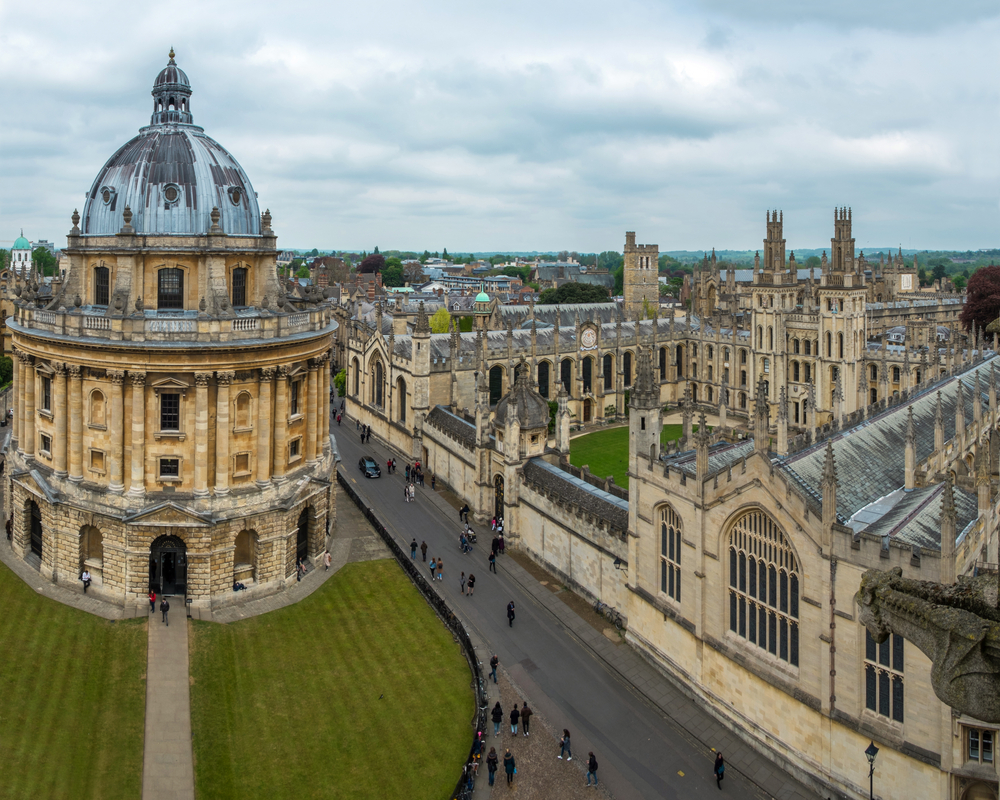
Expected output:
(243, 474)
(294, 459)
(44, 412)
(169, 479)
(97, 471)
(97, 427)
(245, 429)
(45, 454)
(178, 435)
(295, 418)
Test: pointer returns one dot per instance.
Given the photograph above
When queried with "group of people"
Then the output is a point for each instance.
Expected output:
(366, 431)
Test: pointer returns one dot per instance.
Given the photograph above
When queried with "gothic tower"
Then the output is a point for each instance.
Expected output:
(641, 285)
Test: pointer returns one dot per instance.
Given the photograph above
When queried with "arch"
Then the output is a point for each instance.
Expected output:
(829, 344)
(694, 392)
(302, 535)
(168, 565)
(764, 586)
(245, 556)
(807, 372)
(711, 351)
(679, 355)
(872, 396)
(356, 369)
(770, 338)
(743, 377)
(895, 374)
(91, 546)
(760, 337)
(795, 346)
(979, 791)
(608, 365)
(34, 520)
(102, 285)
(588, 374)
(401, 399)
(498, 496)
(627, 367)
(566, 375)
(709, 394)
(170, 288)
(544, 369)
(873, 371)
(98, 409)
(743, 356)
(808, 347)
(671, 527)
(377, 391)
(588, 409)
(743, 400)
(840, 345)
(243, 411)
(663, 363)
(496, 384)
(795, 371)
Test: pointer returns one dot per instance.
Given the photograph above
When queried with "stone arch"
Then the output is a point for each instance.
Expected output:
(97, 408)
(498, 491)
(663, 363)
(608, 366)
(544, 377)
(496, 384)
(627, 367)
(243, 411)
(91, 548)
(979, 791)
(168, 565)
(245, 556)
(401, 399)
(587, 372)
(566, 374)
(33, 526)
(377, 391)
(302, 528)
(671, 531)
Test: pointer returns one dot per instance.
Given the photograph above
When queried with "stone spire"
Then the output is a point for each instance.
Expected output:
(423, 327)
(644, 392)
(762, 421)
(910, 454)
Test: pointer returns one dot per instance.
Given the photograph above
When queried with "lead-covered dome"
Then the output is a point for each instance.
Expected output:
(171, 175)
(532, 408)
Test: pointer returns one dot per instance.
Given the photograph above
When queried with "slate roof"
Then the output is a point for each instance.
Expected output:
(440, 417)
(914, 517)
(721, 456)
(604, 506)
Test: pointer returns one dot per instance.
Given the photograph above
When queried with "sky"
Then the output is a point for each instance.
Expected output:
(541, 125)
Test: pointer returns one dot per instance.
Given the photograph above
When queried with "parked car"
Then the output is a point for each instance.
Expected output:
(369, 467)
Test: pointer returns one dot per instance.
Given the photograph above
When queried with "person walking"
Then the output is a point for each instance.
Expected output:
(509, 766)
(564, 748)
(497, 719)
(500, 540)
(85, 577)
(413, 493)
(492, 762)
(495, 545)
(413, 549)
(526, 718)
(164, 608)
(510, 614)
(591, 768)
(327, 560)
(494, 663)
(515, 717)
(463, 514)
(461, 580)
(434, 481)
(440, 569)
(406, 472)
(472, 584)
(152, 601)
(720, 769)
(493, 563)
(433, 567)
(423, 550)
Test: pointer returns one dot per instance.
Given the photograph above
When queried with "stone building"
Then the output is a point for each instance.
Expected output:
(172, 425)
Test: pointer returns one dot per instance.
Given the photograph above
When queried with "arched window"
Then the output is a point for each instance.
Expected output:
(543, 378)
(764, 586)
(743, 356)
(760, 337)
(663, 363)
(711, 351)
(98, 407)
(872, 396)
(873, 370)
(401, 399)
(808, 347)
(679, 356)
(588, 371)
(743, 377)
(566, 375)
(496, 385)
(609, 372)
(670, 553)
(244, 419)
(709, 394)
(239, 287)
(840, 345)
(170, 288)
(627, 364)
(795, 371)
(807, 369)
(356, 368)
(895, 374)
(743, 401)
(795, 346)
(829, 345)
(711, 371)
(770, 338)
(694, 392)
(102, 286)
(378, 384)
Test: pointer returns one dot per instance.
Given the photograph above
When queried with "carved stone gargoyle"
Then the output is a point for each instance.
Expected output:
(957, 627)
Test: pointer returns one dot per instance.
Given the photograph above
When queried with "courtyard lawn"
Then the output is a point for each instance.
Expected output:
(286, 705)
(72, 699)
(606, 452)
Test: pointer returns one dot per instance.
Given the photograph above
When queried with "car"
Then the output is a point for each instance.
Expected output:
(369, 467)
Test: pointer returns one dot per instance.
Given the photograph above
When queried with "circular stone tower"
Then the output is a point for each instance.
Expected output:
(172, 397)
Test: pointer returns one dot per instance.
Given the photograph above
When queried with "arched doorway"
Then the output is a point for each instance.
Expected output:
(36, 529)
(498, 497)
(168, 565)
(979, 791)
(302, 537)
(587, 410)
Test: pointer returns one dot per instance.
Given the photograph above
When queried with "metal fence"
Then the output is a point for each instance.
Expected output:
(463, 790)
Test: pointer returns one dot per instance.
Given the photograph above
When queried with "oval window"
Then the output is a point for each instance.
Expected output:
(107, 195)
(171, 194)
(235, 195)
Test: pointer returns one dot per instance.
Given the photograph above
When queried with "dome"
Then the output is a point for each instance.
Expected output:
(532, 408)
(171, 176)
(482, 297)
(20, 243)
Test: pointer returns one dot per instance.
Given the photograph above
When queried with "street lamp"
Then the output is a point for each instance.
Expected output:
(870, 752)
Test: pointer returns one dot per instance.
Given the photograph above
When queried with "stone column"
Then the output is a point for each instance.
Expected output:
(116, 425)
(312, 411)
(15, 394)
(201, 380)
(280, 426)
(222, 432)
(264, 427)
(324, 389)
(76, 423)
(27, 442)
(138, 481)
(61, 412)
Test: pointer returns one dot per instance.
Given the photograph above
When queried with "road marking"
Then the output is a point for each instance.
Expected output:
(680, 773)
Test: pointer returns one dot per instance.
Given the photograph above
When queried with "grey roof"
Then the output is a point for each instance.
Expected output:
(181, 158)
(612, 510)
(587, 312)
(914, 517)
(441, 418)
(720, 456)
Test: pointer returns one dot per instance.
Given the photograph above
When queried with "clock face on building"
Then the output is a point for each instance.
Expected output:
(589, 338)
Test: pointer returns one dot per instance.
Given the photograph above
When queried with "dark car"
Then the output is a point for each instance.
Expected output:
(369, 467)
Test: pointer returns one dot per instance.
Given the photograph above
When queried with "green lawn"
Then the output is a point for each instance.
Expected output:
(606, 452)
(72, 699)
(287, 705)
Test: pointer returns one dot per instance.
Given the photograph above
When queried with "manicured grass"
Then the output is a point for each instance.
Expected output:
(287, 705)
(606, 452)
(72, 699)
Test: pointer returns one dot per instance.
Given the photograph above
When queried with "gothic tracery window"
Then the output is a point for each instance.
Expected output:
(884, 676)
(764, 586)
(670, 553)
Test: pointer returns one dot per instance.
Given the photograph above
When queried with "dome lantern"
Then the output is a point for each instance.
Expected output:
(171, 96)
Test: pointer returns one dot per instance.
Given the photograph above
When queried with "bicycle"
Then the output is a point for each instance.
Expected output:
(610, 613)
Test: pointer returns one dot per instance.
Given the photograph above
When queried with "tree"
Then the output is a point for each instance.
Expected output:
(982, 298)
(375, 251)
(939, 272)
(813, 262)
(314, 252)
(574, 293)
(4, 258)
(372, 263)
(413, 271)
(392, 275)
(666, 263)
(340, 381)
(445, 256)
(610, 260)
(424, 257)
(960, 282)
(44, 261)
(6, 370)
(303, 272)
(440, 321)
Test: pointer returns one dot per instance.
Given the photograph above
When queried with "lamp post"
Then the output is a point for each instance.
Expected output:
(870, 752)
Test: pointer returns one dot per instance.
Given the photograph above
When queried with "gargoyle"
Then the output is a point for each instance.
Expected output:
(957, 627)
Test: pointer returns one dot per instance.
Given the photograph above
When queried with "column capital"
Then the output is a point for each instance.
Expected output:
(283, 371)
(116, 376)
(25, 358)
(138, 378)
(202, 379)
(224, 378)
(267, 373)
(59, 367)
(75, 371)
(313, 364)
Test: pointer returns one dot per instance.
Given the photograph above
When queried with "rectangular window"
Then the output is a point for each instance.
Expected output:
(241, 464)
(170, 288)
(884, 676)
(46, 444)
(294, 400)
(293, 448)
(170, 468)
(46, 394)
(980, 745)
(101, 286)
(170, 412)
(239, 287)
(96, 461)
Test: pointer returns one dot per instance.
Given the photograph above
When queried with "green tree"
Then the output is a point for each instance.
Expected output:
(445, 256)
(303, 272)
(424, 257)
(375, 251)
(440, 321)
(667, 263)
(939, 271)
(6, 370)
(813, 262)
(340, 381)
(4, 258)
(314, 252)
(393, 275)
(574, 293)
(610, 260)
(44, 261)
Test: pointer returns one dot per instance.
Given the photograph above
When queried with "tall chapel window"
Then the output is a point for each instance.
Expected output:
(764, 587)
(609, 372)
(670, 553)
(170, 288)
(884, 676)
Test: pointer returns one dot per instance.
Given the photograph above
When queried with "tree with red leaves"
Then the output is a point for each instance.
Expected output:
(982, 298)
(373, 263)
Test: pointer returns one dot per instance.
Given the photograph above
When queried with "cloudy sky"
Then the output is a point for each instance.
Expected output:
(530, 124)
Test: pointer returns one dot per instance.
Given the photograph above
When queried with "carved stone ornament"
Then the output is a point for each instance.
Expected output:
(202, 379)
(77, 301)
(138, 303)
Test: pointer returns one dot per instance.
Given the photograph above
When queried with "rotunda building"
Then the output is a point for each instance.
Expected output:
(173, 396)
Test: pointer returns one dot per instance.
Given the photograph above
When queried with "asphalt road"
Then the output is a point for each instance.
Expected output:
(643, 753)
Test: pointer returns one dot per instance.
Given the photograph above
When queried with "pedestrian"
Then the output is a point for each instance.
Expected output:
(413, 493)
(462, 581)
(327, 560)
(338, 420)
(357, 425)
(152, 601)
(493, 563)
(493, 524)
(500, 538)
(407, 472)
(440, 570)
(495, 545)
(494, 663)
(510, 614)
(85, 577)
(434, 482)
(515, 717)
(591, 768)
(492, 762)
(472, 583)
(423, 550)
(10, 528)
(406, 493)
(525, 718)
(164, 608)
(388, 466)
(720, 769)
(433, 567)
(509, 767)
(413, 549)
(301, 571)
(564, 746)
(463, 543)
(463, 512)
(497, 719)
